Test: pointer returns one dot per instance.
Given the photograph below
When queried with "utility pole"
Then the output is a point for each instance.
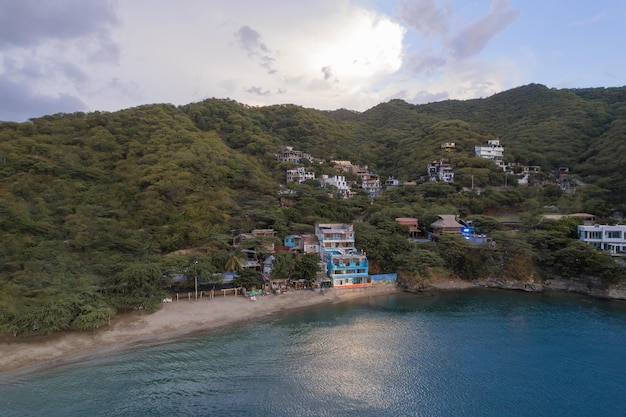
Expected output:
(195, 275)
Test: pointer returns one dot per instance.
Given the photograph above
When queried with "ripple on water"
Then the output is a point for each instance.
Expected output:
(462, 354)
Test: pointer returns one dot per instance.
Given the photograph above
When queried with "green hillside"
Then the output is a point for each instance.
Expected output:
(90, 204)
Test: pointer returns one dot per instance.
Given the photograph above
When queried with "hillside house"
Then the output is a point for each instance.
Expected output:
(342, 166)
(447, 224)
(346, 266)
(412, 224)
(586, 218)
(299, 175)
(605, 237)
(448, 147)
(391, 182)
(339, 181)
(493, 151)
(440, 170)
(306, 243)
(268, 245)
(370, 183)
(288, 154)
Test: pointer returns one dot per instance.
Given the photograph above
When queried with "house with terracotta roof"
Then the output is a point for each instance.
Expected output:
(588, 219)
(412, 224)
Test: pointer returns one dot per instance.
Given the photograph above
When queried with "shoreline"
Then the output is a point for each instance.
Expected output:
(35, 353)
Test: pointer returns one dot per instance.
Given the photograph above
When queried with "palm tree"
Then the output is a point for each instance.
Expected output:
(235, 261)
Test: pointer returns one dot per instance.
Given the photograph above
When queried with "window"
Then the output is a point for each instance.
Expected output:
(613, 234)
(594, 235)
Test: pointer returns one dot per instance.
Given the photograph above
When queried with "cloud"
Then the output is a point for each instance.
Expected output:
(325, 54)
(250, 40)
(28, 22)
(328, 72)
(48, 51)
(424, 62)
(425, 16)
(20, 103)
(424, 97)
(472, 38)
(258, 91)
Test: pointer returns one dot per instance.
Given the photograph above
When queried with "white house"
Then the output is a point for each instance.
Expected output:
(338, 181)
(392, 182)
(605, 237)
(299, 175)
(441, 170)
(288, 154)
(493, 151)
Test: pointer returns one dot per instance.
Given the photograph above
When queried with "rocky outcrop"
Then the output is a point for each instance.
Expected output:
(505, 284)
(587, 285)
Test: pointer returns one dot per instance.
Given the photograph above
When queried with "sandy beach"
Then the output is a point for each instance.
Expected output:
(172, 320)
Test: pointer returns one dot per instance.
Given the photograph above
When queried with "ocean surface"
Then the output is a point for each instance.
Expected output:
(466, 353)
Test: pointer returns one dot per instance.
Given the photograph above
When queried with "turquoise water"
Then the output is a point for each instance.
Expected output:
(469, 353)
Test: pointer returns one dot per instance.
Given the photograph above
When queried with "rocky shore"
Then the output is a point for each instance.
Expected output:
(586, 286)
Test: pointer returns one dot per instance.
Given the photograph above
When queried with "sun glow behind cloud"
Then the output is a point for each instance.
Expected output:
(366, 46)
(326, 54)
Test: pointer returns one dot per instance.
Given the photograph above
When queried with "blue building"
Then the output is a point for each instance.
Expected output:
(346, 266)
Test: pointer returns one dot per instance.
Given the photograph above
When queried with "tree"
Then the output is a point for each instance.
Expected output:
(248, 278)
(307, 267)
(236, 260)
(285, 265)
(423, 261)
(137, 285)
(483, 224)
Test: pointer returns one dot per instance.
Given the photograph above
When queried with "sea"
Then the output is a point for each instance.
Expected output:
(474, 352)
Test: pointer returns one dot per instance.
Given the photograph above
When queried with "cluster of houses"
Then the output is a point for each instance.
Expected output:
(343, 265)
(439, 170)
(368, 181)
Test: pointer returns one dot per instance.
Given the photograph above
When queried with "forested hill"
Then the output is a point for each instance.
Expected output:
(90, 202)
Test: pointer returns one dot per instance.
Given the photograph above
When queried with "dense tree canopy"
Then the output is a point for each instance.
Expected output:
(98, 211)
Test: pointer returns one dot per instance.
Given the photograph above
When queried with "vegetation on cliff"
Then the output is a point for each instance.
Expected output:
(99, 210)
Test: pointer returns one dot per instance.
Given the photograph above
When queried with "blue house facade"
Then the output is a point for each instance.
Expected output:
(346, 266)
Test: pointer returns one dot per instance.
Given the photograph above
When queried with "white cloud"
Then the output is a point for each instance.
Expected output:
(326, 54)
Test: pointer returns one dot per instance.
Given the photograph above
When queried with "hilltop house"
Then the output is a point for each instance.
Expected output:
(346, 266)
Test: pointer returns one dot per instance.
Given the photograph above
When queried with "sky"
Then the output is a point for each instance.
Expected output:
(64, 56)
